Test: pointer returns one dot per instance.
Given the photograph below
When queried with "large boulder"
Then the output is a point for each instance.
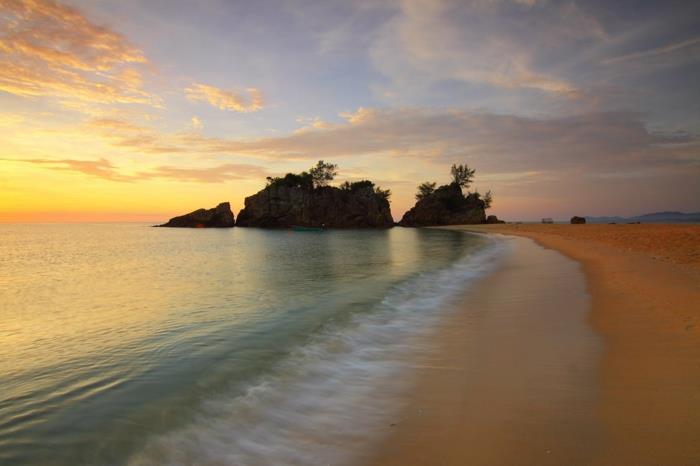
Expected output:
(218, 217)
(492, 219)
(281, 206)
(578, 220)
(446, 206)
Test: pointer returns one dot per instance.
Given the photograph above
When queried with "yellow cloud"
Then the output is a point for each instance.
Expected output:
(227, 100)
(311, 124)
(10, 119)
(50, 49)
(196, 123)
(105, 170)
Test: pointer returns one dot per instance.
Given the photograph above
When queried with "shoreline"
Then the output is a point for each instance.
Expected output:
(643, 286)
(503, 386)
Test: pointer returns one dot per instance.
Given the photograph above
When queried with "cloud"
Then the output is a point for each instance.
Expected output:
(601, 142)
(7, 119)
(51, 49)
(122, 133)
(227, 100)
(496, 43)
(101, 168)
(216, 174)
(691, 46)
(196, 124)
(311, 124)
(105, 170)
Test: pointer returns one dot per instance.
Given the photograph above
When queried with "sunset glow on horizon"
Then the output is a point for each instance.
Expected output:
(137, 111)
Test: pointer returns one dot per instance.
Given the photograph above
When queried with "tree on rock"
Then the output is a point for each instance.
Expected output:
(323, 173)
(488, 199)
(462, 175)
(450, 204)
(306, 200)
(425, 190)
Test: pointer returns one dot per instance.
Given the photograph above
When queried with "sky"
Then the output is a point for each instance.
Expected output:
(139, 110)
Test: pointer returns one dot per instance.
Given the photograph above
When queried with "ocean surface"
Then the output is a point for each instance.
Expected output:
(122, 344)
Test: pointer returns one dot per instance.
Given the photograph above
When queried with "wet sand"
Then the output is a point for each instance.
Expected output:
(514, 377)
(638, 403)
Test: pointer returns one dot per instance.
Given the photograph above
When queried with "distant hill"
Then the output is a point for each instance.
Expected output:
(656, 217)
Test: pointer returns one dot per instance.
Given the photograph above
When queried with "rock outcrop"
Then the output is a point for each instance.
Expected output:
(218, 217)
(577, 220)
(356, 205)
(492, 219)
(446, 206)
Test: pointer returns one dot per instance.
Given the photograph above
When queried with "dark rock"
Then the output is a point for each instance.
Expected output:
(281, 206)
(446, 206)
(218, 217)
(492, 219)
(577, 220)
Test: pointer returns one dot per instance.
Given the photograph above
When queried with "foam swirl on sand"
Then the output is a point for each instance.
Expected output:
(326, 402)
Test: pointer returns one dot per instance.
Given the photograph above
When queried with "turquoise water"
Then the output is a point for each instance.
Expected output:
(124, 344)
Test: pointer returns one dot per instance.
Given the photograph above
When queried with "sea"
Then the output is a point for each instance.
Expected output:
(122, 344)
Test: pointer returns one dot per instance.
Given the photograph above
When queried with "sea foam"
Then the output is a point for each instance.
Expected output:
(329, 399)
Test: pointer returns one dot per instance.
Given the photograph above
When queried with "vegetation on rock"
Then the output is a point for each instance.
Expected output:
(306, 199)
(447, 204)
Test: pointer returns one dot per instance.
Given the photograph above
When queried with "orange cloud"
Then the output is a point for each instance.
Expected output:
(227, 100)
(215, 174)
(98, 168)
(50, 49)
(105, 170)
(597, 142)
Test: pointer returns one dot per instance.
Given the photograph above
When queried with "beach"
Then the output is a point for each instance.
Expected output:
(548, 363)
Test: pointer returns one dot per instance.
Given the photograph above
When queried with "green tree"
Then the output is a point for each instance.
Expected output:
(462, 175)
(357, 185)
(425, 190)
(382, 193)
(488, 199)
(292, 180)
(323, 173)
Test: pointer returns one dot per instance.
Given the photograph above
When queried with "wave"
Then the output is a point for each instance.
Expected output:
(325, 403)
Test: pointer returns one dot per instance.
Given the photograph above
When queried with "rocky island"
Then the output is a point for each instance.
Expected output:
(306, 200)
(447, 205)
(218, 217)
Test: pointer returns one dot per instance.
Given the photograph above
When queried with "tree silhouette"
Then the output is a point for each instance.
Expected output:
(323, 173)
(425, 190)
(488, 199)
(462, 175)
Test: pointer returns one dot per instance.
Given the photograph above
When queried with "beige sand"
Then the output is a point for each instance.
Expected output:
(639, 404)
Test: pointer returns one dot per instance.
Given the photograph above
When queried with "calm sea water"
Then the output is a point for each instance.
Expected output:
(124, 344)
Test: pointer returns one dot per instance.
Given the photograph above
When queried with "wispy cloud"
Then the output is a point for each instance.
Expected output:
(251, 100)
(101, 168)
(50, 49)
(215, 174)
(494, 43)
(597, 142)
(693, 44)
(196, 123)
(104, 169)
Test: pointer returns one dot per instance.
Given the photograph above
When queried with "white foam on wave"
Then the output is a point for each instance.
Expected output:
(326, 401)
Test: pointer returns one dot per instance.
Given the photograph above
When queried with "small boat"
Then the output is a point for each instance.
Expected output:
(300, 228)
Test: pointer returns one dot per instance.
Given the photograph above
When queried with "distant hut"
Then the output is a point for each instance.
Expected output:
(547, 220)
